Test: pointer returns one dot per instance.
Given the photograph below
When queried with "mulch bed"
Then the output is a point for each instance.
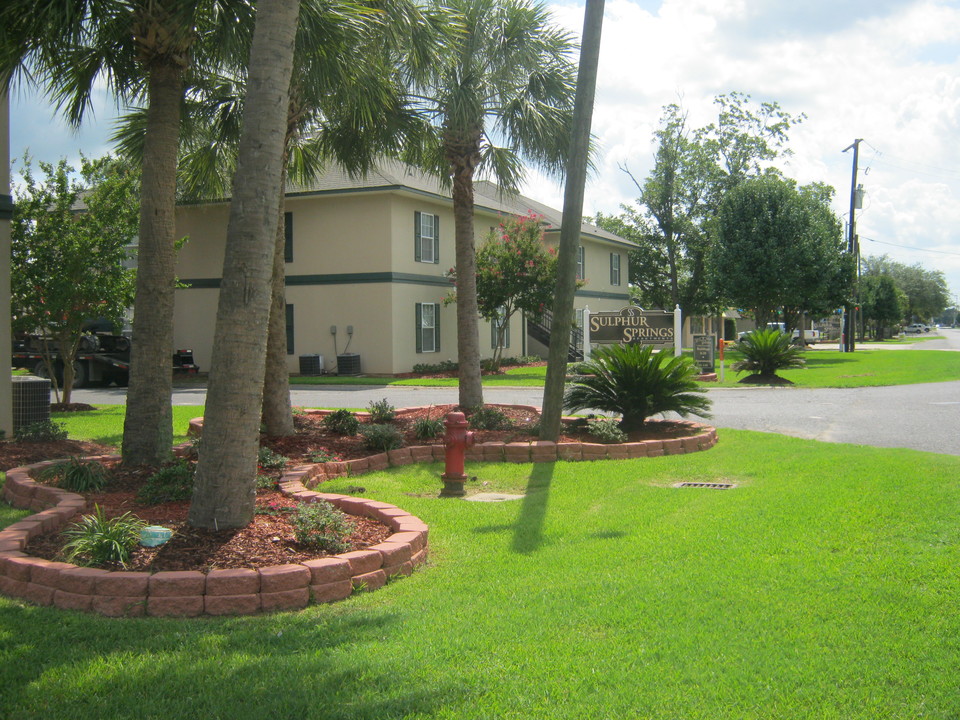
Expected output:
(269, 539)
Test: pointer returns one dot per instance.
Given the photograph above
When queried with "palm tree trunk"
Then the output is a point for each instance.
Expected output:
(570, 227)
(148, 424)
(277, 411)
(225, 483)
(468, 312)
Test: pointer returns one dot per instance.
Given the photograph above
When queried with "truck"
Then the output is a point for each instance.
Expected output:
(809, 336)
(101, 358)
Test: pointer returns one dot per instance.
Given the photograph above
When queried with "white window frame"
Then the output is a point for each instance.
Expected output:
(581, 263)
(427, 234)
(614, 268)
(428, 327)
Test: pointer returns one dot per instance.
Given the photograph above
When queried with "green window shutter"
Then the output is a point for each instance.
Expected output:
(419, 322)
(436, 241)
(289, 317)
(288, 237)
(493, 334)
(416, 238)
(506, 336)
(436, 327)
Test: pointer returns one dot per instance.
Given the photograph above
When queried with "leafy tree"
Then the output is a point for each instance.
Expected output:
(635, 382)
(515, 271)
(881, 302)
(67, 265)
(225, 481)
(777, 247)
(766, 351)
(143, 49)
(507, 76)
(925, 290)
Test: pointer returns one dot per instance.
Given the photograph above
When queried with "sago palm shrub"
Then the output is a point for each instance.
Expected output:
(766, 351)
(635, 382)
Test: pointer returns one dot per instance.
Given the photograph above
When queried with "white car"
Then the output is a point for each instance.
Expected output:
(916, 328)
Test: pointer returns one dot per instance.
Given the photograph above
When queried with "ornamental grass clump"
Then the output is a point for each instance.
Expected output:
(321, 525)
(766, 351)
(100, 541)
(427, 428)
(636, 383)
(78, 475)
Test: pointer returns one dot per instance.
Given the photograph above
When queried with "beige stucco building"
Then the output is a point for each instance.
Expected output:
(365, 273)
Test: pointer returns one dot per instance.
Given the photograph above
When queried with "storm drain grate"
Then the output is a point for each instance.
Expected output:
(715, 486)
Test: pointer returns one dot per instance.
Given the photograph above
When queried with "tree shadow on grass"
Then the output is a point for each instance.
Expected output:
(308, 664)
(528, 530)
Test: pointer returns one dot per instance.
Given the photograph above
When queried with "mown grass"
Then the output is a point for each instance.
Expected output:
(825, 368)
(823, 586)
(105, 424)
(862, 368)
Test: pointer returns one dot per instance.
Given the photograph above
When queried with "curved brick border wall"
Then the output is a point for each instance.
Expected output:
(282, 587)
(518, 452)
(191, 593)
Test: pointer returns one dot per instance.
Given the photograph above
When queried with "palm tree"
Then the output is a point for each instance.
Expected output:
(346, 105)
(144, 49)
(507, 77)
(224, 490)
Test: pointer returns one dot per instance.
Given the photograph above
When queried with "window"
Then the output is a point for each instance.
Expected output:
(428, 327)
(427, 237)
(289, 314)
(288, 237)
(614, 268)
(495, 325)
(581, 264)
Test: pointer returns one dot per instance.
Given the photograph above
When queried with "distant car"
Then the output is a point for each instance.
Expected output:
(916, 328)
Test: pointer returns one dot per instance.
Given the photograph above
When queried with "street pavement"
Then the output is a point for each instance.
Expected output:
(922, 417)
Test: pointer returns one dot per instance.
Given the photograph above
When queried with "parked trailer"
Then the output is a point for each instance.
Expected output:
(101, 358)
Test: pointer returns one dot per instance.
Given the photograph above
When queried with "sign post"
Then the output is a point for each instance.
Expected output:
(704, 347)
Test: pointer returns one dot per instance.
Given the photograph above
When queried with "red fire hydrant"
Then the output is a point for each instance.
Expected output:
(456, 441)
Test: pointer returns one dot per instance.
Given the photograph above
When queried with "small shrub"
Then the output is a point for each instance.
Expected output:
(96, 540)
(267, 458)
(323, 526)
(77, 475)
(635, 382)
(265, 482)
(606, 431)
(489, 418)
(342, 422)
(766, 351)
(322, 456)
(43, 431)
(444, 366)
(382, 411)
(427, 428)
(168, 484)
(381, 437)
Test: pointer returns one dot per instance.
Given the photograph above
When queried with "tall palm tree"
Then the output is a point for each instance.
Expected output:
(346, 105)
(224, 490)
(502, 93)
(144, 49)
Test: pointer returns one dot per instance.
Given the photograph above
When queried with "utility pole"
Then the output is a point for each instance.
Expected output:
(850, 321)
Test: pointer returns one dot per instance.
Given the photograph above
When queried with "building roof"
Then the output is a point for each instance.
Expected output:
(395, 175)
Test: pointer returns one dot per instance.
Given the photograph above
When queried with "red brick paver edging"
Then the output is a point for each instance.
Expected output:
(192, 593)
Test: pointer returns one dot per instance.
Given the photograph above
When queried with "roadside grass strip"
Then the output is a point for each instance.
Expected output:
(824, 585)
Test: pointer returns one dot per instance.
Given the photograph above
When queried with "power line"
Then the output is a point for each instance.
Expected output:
(911, 247)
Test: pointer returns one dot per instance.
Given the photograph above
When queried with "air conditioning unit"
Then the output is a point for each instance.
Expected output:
(348, 364)
(31, 400)
(311, 364)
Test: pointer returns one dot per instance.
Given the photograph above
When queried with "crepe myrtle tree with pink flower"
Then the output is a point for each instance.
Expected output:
(516, 271)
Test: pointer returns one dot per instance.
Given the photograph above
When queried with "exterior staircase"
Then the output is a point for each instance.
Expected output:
(539, 328)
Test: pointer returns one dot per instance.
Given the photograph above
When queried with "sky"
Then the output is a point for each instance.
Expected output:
(884, 71)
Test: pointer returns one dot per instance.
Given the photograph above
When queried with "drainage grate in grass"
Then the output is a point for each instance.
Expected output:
(715, 486)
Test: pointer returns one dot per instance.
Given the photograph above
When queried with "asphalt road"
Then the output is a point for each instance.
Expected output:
(921, 417)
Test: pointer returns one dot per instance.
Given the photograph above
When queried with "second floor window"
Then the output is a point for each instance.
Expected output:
(426, 237)
(581, 264)
(288, 237)
(614, 268)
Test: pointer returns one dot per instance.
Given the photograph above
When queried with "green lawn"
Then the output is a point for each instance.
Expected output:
(823, 586)
(825, 368)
